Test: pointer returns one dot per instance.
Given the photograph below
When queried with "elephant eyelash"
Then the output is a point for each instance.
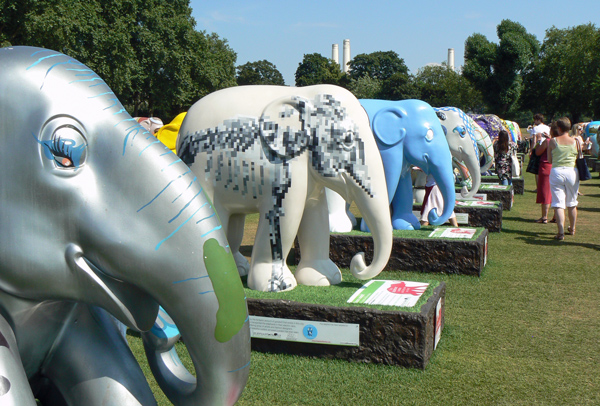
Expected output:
(65, 152)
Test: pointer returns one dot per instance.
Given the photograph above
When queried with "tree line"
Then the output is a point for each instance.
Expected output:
(157, 63)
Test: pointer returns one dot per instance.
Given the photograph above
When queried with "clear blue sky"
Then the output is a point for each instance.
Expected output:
(420, 31)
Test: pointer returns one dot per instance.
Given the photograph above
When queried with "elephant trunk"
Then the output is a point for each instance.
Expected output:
(444, 179)
(211, 315)
(376, 213)
(472, 164)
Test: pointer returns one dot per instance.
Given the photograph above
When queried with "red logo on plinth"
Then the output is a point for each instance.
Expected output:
(402, 289)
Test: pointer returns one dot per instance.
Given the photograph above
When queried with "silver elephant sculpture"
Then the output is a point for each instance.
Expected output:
(98, 218)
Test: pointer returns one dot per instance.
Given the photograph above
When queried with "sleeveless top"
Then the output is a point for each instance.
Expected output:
(564, 155)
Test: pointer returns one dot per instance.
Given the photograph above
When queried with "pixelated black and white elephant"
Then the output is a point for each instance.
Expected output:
(98, 217)
(272, 150)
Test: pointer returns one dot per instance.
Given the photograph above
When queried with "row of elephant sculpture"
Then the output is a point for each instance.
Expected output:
(100, 218)
(589, 132)
(472, 153)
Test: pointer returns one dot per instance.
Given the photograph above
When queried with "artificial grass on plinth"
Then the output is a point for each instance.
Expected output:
(524, 333)
(423, 232)
(338, 295)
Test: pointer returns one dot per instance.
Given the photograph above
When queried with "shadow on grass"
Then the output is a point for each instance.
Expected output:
(545, 235)
(550, 241)
(592, 209)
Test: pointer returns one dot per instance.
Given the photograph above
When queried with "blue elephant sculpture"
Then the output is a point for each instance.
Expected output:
(591, 133)
(98, 218)
(408, 132)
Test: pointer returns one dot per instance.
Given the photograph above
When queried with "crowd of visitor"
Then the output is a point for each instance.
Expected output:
(554, 151)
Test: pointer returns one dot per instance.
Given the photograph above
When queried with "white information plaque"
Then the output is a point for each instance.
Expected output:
(463, 233)
(389, 293)
(303, 331)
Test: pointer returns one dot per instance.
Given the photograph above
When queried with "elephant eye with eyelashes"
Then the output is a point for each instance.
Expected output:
(67, 148)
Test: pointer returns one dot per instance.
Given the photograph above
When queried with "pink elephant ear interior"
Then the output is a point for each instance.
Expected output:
(388, 126)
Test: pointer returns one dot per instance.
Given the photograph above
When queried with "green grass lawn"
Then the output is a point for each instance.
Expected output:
(525, 333)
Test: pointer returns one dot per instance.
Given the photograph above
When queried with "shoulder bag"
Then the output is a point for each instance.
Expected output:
(534, 163)
(581, 164)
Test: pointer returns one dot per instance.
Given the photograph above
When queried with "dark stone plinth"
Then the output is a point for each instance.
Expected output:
(518, 183)
(504, 195)
(437, 255)
(489, 217)
(591, 160)
(386, 337)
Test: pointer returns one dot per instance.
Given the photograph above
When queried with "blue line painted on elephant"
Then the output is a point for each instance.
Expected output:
(165, 188)
(115, 103)
(102, 94)
(240, 368)
(206, 291)
(42, 58)
(186, 189)
(187, 205)
(190, 279)
(206, 218)
(179, 228)
(148, 146)
(214, 229)
(137, 130)
(171, 164)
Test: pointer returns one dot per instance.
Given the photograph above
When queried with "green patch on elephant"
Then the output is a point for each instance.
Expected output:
(223, 273)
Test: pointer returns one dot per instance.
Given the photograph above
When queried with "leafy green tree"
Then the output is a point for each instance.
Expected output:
(399, 86)
(316, 69)
(377, 65)
(496, 70)
(146, 50)
(440, 86)
(567, 74)
(259, 73)
(365, 87)
(380, 75)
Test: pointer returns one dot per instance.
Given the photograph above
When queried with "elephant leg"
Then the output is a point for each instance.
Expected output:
(235, 235)
(92, 364)
(315, 267)
(402, 215)
(268, 273)
(277, 229)
(14, 386)
(339, 221)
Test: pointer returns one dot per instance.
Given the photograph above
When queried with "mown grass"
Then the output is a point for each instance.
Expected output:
(524, 333)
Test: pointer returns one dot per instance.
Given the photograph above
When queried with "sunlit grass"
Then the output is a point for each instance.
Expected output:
(524, 333)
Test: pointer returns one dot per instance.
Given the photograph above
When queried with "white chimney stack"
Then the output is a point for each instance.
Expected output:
(451, 58)
(335, 53)
(346, 55)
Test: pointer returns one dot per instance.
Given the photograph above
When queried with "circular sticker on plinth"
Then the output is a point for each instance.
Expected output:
(310, 331)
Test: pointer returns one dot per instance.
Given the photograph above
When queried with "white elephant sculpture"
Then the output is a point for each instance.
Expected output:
(463, 145)
(272, 149)
(485, 144)
(341, 219)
